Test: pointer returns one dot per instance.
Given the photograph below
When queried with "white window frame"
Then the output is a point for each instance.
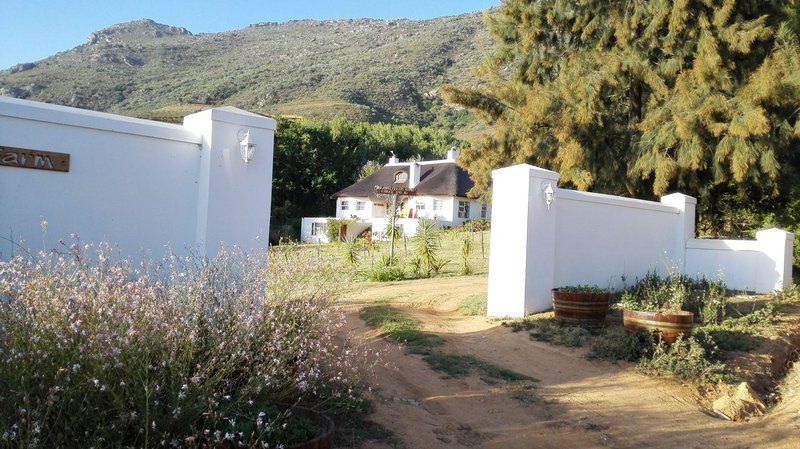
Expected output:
(484, 210)
(345, 205)
(318, 229)
(361, 205)
(463, 209)
(419, 205)
(438, 205)
(400, 177)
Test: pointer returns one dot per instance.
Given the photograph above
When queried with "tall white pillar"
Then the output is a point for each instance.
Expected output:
(778, 245)
(522, 250)
(685, 229)
(234, 197)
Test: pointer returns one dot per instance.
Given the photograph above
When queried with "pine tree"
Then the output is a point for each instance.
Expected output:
(639, 97)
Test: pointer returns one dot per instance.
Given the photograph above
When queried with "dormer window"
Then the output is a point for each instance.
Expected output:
(400, 177)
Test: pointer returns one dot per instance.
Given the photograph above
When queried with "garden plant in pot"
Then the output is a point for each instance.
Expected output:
(666, 305)
(580, 304)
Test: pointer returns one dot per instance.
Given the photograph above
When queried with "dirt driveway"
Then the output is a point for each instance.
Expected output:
(580, 404)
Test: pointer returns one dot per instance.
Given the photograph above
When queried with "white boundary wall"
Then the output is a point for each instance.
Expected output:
(590, 238)
(142, 185)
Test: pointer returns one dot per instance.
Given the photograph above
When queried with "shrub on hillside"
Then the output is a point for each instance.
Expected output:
(98, 352)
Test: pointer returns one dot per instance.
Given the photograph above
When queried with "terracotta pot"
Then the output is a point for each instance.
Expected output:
(324, 438)
(668, 324)
(580, 308)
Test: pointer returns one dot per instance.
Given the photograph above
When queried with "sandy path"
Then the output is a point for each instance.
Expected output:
(586, 404)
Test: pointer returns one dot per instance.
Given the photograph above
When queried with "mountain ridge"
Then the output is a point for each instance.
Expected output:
(386, 70)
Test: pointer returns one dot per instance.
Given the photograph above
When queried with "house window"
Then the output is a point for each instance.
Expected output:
(400, 177)
(463, 209)
(420, 206)
(484, 210)
(345, 205)
(360, 205)
(318, 229)
(438, 205)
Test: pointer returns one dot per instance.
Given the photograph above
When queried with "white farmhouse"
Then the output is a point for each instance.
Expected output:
(441, 188)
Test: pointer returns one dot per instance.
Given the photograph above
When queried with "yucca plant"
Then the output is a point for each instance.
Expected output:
(428, 245)
(466, 250)
(352, 250)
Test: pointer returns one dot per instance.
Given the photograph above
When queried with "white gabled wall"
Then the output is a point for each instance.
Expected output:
(137, 184)
(589, 238)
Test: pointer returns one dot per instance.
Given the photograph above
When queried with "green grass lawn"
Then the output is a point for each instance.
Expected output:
(450, 242)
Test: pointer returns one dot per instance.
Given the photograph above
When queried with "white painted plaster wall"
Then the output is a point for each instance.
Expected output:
(749, 265)
(140, 185)
(589, 238)
(600, 238)
(306, 227)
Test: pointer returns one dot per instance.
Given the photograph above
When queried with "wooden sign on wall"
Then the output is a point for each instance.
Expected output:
(39, 160)
(391, 190)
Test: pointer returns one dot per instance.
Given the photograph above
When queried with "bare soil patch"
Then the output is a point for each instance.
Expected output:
(575, 403)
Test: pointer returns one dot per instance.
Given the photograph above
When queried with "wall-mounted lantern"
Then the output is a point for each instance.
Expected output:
(247, 149)
(549, 194)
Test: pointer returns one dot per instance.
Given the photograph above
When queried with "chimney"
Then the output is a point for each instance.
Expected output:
(393, 159)
(413, 175)
(452, 154)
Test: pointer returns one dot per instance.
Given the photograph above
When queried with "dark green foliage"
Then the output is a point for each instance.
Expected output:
(429, 245)
(582, 289)
(553, 331)
(640, 98)
(474, 225)
(742, 332)
(400, 329)
(333, 229)
(381, 273)
(729, 339)
(458, 365)
(386, 270)
(675, 292)
(692, 359)
(615, 344)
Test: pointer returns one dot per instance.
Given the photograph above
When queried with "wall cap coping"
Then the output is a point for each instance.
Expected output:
(723, 245)
(103, 121)
(602, 198)
(535, 172)
(774, 233)
(677, 197)
(235, 116)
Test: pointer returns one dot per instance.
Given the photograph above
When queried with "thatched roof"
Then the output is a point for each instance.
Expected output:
(436, 178)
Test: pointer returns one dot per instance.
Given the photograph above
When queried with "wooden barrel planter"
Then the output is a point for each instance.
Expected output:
(669, 325)
(580, 308)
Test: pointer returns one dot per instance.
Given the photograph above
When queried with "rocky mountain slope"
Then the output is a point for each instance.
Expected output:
(361, 69)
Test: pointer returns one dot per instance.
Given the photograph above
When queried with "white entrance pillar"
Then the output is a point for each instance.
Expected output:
(778, 245)
(522, 250)
(685, 229)
(234, 196)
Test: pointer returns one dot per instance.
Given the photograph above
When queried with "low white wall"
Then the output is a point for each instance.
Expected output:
(138, 184)
(749, 265)
(305, 230)
(600, 238)
(544, 237)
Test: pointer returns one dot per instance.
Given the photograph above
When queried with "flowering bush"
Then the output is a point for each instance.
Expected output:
(99, 352)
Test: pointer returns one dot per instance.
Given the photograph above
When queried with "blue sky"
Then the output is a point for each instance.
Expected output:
(33, 30)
